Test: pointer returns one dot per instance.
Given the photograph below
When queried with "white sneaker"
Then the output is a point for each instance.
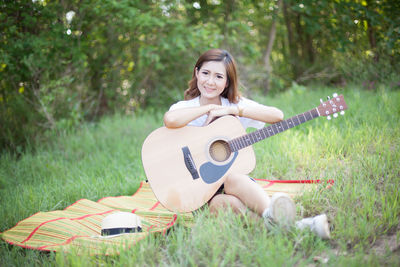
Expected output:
(318, 224)
(282, 210)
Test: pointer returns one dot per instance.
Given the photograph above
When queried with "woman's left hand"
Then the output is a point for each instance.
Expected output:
(219, 111)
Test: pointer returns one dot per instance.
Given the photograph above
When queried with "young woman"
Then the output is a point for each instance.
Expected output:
(213, 92)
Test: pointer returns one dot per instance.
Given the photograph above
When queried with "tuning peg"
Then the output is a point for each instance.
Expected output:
(335, 95)
(335, 115)
(329, 118)
(342, 112)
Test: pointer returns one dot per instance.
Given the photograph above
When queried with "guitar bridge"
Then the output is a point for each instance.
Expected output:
(187, 156)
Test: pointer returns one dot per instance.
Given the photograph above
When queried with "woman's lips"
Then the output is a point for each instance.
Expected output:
(209, 90)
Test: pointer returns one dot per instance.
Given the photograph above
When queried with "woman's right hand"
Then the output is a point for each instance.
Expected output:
(217, 111)
(181, 117)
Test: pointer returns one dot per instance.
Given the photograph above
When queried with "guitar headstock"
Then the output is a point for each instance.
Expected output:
(333, 105)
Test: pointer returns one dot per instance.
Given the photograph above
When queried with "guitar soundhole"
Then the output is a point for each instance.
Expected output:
(220, 151)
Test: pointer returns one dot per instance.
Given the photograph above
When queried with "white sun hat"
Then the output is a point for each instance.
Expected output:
(120, 223)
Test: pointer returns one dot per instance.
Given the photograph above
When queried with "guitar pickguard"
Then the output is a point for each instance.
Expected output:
(210, 172)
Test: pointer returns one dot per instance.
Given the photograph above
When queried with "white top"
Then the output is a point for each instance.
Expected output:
(243, 102)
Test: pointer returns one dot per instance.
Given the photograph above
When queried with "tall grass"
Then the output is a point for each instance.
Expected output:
(360, 151)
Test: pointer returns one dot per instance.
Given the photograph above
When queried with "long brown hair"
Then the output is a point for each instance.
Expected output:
(231, 91)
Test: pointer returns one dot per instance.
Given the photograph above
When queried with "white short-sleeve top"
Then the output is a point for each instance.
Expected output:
(243, 102)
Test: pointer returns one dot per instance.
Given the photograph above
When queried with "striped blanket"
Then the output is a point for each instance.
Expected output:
(77, 228)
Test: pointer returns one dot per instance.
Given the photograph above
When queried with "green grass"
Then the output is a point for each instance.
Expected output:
(360, 151)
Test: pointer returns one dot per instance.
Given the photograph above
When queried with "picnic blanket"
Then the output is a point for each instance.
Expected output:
(78, 227)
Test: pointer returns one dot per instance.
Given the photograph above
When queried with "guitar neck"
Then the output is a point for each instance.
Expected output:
(263, 133)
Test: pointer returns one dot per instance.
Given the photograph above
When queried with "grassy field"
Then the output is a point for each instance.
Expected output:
(360, 151)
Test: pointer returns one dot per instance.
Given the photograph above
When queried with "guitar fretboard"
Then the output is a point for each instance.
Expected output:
(263, 133)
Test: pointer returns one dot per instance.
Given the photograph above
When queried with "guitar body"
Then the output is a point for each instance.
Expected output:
(186, 166)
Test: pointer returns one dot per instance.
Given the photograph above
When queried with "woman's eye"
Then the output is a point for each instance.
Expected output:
(205, 72)
(220, 77)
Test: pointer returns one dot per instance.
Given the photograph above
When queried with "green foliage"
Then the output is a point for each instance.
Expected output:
(63, 62)
(329, 34)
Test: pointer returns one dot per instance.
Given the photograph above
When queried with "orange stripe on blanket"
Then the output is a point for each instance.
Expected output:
(170, 224)
(155, 205)
(268, 185)
(318, 181)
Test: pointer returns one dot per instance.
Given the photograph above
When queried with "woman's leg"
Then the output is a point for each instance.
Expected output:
(249, 192)
(222, 201)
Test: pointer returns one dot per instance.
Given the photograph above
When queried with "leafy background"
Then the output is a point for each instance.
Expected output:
(65, 62)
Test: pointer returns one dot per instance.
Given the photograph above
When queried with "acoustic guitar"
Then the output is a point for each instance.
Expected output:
(186, 166)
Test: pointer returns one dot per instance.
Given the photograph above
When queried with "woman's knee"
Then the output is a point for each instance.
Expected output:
(223, 201)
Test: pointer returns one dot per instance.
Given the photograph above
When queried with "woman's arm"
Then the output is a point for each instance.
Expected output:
(262, 113)
(181, 117)
(257, 112)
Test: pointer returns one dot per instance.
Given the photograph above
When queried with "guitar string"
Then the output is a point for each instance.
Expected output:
(251, 138)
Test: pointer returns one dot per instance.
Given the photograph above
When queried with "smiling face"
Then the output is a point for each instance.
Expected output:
(211, 81)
